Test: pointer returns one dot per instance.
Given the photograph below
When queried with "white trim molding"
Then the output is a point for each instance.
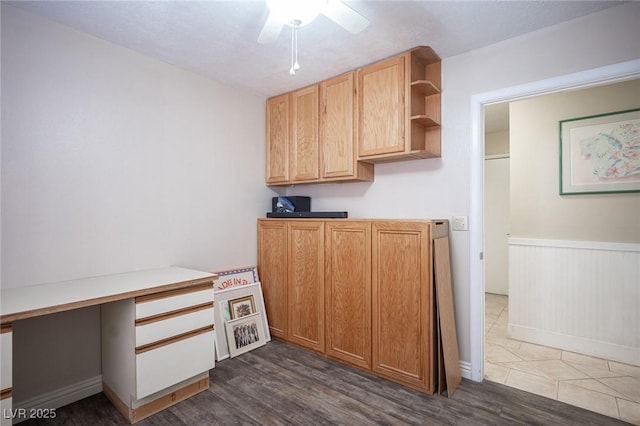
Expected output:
(62, 396)
(603, 75)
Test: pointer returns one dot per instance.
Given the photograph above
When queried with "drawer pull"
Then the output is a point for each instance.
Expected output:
(172, 314)
(172, 293)
(174, 339)
(6, 393)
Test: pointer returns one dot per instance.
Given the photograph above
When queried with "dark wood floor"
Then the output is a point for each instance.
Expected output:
(279, 384)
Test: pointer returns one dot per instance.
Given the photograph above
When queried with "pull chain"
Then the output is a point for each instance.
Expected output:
(294, 47)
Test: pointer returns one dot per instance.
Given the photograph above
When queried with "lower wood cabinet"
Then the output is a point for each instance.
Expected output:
(348, 292)
(402, 294)
(305, 284)
(291, 260)
(359, 291)
(272, 264)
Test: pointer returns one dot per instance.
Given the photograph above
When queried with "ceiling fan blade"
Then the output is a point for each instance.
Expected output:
(271, 30)
(344, 16)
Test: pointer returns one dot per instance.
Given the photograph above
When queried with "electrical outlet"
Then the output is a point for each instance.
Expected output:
(460, 223)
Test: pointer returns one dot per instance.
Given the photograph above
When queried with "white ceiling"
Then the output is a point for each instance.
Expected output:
(217, 39)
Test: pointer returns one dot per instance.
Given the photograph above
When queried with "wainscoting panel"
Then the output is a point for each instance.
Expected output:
(576, 295)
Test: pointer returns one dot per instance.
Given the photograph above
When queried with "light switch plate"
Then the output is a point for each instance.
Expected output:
(460, 223)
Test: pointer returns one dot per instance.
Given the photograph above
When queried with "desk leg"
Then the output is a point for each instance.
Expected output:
(6, 375)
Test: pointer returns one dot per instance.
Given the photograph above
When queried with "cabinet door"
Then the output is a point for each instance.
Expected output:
(381, 107)
(348, 292)
(272, 269)
(278, 139)
(402, 299)
(337, 127)
(305, 154)
(306, 284)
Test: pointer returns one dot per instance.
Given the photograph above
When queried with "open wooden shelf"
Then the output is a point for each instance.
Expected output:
(425, 87)
(425, 120)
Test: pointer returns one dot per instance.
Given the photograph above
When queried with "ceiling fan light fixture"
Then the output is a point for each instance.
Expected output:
(304, 11)
(297, 13)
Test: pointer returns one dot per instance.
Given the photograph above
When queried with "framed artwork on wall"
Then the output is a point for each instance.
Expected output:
(244, 334)
(600, 153)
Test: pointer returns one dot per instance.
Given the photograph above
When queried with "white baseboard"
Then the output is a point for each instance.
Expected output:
(63, 396)
(623, 354)
(465, 370)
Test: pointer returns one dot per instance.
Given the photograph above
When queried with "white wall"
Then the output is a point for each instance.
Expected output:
(440, 188)
(112, 161)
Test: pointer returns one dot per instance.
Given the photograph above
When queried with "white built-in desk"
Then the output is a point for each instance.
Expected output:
(157, 334)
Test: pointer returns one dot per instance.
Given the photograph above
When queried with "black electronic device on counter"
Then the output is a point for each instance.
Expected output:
(309, 215)
(299, 207)
(299, 203)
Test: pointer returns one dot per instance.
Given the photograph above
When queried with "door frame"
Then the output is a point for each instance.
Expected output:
(594, 77)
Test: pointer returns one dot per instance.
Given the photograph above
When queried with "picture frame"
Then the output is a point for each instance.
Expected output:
(235, 278)
(222, 314)
(241, 306)
(244, 334)
(599, 153)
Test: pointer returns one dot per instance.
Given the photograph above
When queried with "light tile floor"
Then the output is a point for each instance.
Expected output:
(595, 384)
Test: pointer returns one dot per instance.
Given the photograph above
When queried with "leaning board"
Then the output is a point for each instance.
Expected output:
(446, 320)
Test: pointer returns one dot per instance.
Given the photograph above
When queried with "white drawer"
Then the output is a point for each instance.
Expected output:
(167, 365)
(147, 306)
(165, 328)
(6, 360)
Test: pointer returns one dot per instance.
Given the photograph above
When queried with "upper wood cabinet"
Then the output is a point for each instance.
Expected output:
(381, 108)
(311, 135)
(399, 107)
(338, 131)
(278, 137)
(304, 150)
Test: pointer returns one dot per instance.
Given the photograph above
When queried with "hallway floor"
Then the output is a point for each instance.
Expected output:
(607, 387)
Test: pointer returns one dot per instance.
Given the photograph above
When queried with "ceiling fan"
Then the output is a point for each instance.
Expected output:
(297, 13)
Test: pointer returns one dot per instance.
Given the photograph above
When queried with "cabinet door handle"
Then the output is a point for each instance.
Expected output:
(174, 339)
(172, 314)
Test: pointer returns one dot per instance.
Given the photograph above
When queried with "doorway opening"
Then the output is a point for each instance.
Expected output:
(591, 78)
(480, 305)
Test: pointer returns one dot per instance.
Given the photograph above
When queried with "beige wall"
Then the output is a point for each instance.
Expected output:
(496, 143)
(537, 209)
